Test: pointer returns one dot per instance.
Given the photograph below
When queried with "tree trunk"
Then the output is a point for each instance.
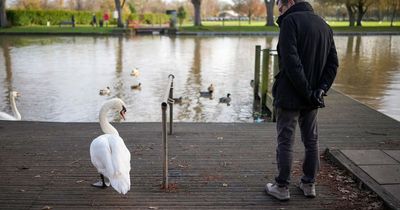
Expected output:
(118, 8)
(394, 5)
(79, 5)
(269, 4)
(3, 16)
(360, 13)
(362, 7)
(197, 12)
(249, 15)
(351, 12)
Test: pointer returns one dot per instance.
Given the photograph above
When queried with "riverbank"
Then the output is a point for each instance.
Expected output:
(253, 30)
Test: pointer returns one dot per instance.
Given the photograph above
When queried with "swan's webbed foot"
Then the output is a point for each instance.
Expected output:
(102, 183)
(99, 184)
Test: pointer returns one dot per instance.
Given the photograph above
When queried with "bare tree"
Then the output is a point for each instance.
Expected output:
(251, 8)
(362, 7)
(239, 6)
(269, 5)
(3, 16)
(28, 4)
(394, 4)
(351, 10)
(197, 12)
(209, 8)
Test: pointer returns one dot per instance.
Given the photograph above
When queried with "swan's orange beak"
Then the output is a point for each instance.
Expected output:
(122, 112)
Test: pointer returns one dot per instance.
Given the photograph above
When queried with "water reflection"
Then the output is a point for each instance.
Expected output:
(59, 77)
(368, 70)
(8, 78)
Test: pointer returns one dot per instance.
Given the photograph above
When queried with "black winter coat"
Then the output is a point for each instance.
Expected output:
(307, 57)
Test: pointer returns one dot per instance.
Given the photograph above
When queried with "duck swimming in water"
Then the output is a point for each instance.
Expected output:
(226, 99)
(208, 93)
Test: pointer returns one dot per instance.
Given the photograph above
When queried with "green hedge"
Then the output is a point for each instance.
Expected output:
(150, 18)
(40, 17)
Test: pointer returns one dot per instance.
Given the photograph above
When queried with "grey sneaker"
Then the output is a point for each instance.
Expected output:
(280, 193)
(308, 189)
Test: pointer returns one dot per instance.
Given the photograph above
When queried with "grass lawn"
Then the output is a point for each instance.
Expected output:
(259, 26)
(208, 26)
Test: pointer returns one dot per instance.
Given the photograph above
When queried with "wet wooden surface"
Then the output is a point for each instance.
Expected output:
(212, 165)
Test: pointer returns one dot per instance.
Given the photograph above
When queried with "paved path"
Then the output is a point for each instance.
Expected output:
(379, 170)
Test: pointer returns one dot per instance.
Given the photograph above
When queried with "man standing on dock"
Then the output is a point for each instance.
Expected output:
(307, 68)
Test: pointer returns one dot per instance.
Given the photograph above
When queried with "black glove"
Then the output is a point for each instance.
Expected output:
(317, 98)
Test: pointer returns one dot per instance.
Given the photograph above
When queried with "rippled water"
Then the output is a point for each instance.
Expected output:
(60, 77)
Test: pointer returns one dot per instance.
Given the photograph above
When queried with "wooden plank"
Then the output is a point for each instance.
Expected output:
(44, 163)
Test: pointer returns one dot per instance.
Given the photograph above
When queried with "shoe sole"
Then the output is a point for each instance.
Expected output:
(280, 199)
(307, 196)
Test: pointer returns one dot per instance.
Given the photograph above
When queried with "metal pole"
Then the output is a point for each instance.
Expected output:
(164, 105)
(165, 145)
(171, 107)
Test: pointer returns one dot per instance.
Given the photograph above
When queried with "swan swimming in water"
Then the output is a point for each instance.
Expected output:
(105, 91)
(108, 152)
(17, 115)
(135, 72)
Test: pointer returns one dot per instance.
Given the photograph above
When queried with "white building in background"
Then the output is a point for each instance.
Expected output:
(228, 14)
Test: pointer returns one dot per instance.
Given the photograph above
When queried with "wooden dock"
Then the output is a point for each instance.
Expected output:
(213, 165)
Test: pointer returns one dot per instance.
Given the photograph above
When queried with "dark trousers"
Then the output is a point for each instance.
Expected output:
(286, 127)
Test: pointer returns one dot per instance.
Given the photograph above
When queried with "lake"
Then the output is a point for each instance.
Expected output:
(59, 78)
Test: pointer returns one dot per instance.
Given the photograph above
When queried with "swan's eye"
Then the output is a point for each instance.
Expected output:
(123, 109)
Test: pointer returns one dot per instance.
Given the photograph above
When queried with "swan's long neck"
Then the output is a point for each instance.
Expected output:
(106, 127)
(14, 109)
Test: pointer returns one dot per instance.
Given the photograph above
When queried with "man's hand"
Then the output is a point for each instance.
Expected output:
(317, 98)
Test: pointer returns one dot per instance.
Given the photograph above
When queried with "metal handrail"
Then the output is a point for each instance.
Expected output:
(167, 100)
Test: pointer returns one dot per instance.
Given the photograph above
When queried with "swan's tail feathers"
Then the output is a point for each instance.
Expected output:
(121, 183)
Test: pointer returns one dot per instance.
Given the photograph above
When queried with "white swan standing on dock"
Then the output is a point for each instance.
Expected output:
(17, 115)
(108, 152)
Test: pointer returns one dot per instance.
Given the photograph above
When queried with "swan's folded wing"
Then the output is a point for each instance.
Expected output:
(100, 155)
(120, 155)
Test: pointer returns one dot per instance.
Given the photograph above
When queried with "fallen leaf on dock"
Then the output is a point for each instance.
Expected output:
(46, 207)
